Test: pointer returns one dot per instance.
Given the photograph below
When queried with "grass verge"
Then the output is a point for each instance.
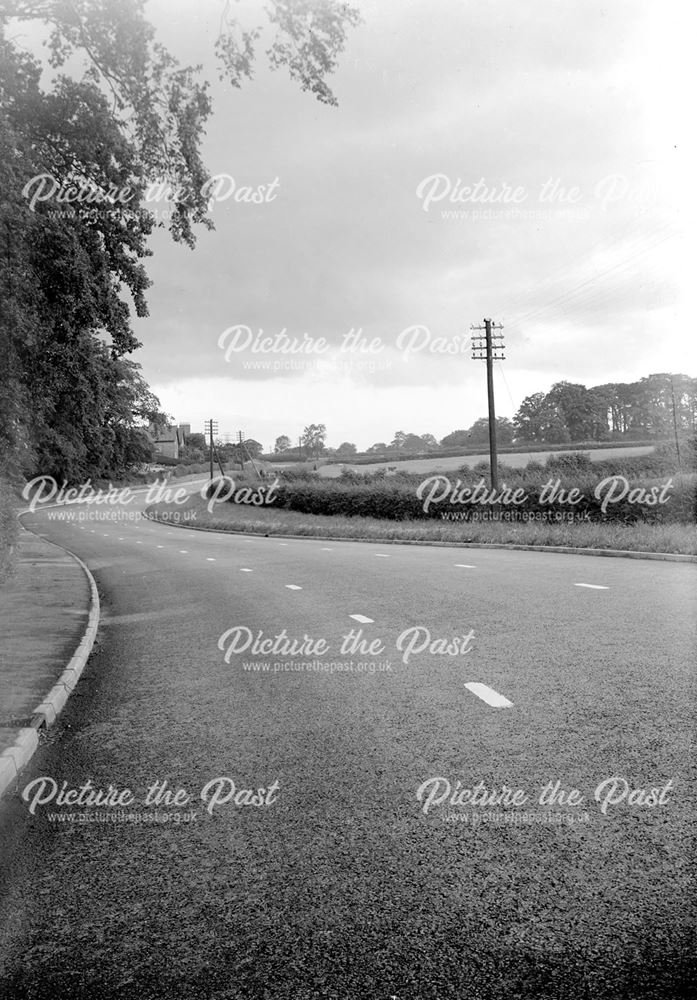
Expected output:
(8, 529)
(678, 538)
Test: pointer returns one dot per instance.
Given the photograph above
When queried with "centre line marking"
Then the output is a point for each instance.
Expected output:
(210, 559)
(293, 586)
(381, 555)
(183, 551)
(160, 546)
(488, 695)
(465, 566)
(243, 569)
(362, 619)
(327, 550)
(591, 586)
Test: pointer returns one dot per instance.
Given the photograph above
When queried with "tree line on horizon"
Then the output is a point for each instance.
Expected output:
(656, 407)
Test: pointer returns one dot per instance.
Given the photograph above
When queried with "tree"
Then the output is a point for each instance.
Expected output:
(253, 448)
(133, 118)
(601, 399)
(282, 444)
(64, 328)
(377, 449)
(539, 421)
(190, 456)
(429, 441)
(479, 431)
(346, 450)
(414, 443)
(313, 439)
(398, 440)
(455, 439)
(571, 401)
(161, 107)
(196, 440)
(411, 443)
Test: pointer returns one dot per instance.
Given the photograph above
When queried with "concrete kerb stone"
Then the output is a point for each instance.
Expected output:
(17, 756)
(564, 549)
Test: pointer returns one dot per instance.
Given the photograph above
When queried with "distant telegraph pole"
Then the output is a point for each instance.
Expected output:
(244, 450)
(489, 347)
(211, 428)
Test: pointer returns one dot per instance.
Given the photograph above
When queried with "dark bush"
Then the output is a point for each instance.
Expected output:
(296, 475)
(573, 462)
(533, 469)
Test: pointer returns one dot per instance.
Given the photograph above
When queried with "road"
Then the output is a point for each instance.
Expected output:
(342, 882)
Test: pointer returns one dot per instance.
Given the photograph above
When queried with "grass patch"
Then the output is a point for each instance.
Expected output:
(638, 537)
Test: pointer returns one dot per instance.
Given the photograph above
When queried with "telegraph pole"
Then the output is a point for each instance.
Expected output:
(489, 348)
(244, 450)
(211, 428)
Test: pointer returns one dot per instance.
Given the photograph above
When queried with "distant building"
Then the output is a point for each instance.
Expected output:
(168, 440)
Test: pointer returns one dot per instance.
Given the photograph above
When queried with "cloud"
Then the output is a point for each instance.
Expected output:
(502, 94)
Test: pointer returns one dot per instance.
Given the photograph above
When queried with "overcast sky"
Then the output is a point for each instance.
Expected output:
(360, 232)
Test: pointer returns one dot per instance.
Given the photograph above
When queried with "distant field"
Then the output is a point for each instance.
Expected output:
(516, 459)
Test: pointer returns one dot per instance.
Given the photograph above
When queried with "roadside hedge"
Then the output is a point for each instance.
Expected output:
(395, 501)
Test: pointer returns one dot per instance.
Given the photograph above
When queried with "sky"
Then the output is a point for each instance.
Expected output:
(560, 119)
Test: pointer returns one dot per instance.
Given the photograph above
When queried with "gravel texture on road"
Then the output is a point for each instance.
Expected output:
(344, 886)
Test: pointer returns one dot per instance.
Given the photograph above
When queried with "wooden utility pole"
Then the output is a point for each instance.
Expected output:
(244, 450)
(211, 428)
(489, 348)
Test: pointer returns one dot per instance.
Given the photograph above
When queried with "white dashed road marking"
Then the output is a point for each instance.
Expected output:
(381, 555)
(210, 559)
(243, 569)
(362, 619)
(591, 586)
(465, 566)
(183, 551)
(488, 695)
(327, 550)
(293, 586)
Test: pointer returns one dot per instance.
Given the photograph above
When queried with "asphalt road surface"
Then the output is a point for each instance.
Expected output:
(349, 860)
